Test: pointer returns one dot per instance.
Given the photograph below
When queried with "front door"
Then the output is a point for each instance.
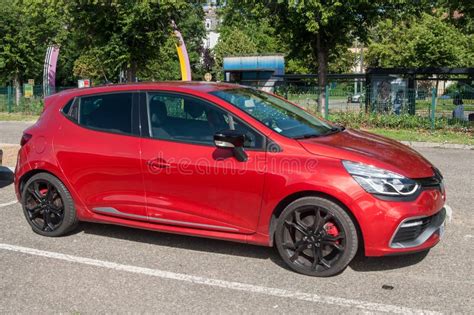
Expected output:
(188, 181)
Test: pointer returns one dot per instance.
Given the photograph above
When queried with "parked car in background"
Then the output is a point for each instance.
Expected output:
(356, 98)
(228, 162)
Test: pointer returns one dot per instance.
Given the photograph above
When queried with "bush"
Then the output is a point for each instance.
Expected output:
(32, 106)
(362, 120)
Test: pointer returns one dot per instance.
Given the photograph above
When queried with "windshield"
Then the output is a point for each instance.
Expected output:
(279, 115)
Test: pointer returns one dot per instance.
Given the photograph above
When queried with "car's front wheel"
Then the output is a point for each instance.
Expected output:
(316, 237)
(48, 205)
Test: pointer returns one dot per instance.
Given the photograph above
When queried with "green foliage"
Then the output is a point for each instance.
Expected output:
(165, 66)
(414, 122)
(428, 41)
(27, 27)
(324, 29)
(29, 106)
(101, 38)
(235, 43)
(98, 38)
(298, 66)
(437, 136)
(460, 13)
(332, 23)
(89, 65)
(250, 27)
(341, 60)
(128, 35)
(246, 30)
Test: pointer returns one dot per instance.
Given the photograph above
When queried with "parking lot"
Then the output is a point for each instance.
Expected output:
(103, 268)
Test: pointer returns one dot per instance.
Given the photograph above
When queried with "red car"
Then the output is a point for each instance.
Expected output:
(228, 162)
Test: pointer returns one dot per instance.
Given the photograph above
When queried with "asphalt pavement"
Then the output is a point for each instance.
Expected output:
(113, 269)
(11, 131)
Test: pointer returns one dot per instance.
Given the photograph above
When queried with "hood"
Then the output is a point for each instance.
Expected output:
(368, 148)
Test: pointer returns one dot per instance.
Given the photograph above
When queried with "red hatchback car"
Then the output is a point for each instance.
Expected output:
(228, 162)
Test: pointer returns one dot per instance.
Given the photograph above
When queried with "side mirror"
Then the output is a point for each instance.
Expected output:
(231, 139)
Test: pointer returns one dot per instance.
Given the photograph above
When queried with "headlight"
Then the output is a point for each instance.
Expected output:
(379, 181)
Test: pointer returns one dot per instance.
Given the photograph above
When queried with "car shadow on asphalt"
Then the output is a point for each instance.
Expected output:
(177, 241)
(6, 176)
(359, 264)
(365, 264)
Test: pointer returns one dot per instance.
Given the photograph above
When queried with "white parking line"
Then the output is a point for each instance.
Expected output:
(282, 293)
(8, 203)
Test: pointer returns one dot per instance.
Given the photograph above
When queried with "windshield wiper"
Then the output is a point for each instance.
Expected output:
(307, 136)
(335, 129)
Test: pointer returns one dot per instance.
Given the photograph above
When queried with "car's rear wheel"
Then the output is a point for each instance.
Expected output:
(48, 205)
(316, 237)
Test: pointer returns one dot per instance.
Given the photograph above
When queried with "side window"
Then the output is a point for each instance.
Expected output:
(185, 118)
(72, 109)
(107, 112)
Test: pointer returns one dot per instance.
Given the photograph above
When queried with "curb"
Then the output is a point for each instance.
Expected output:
(416, 144)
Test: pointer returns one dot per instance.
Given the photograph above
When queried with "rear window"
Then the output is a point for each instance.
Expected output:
(71, 109)
(108, 112)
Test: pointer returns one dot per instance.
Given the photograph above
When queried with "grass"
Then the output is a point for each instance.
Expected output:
(438, 136)
(297, 97)
(443, 105)
(17, 117)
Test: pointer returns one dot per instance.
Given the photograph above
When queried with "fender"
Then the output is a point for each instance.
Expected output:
(267, 222)
(34, 167)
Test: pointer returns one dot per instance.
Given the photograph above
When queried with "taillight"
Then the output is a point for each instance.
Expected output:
(25, 138)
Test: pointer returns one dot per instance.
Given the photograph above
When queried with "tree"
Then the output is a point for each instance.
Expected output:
(318, 27)
(245, 30)
(128, 35)
(27, 28)
(459, 12)
(232, 43)
(428, 41)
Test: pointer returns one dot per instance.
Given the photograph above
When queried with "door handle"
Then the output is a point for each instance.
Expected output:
(158, 163)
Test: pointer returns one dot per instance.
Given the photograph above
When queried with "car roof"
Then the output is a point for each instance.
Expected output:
(204, 87)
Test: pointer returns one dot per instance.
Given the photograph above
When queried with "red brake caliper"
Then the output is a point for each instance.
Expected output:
(331, 229)
(43, 192)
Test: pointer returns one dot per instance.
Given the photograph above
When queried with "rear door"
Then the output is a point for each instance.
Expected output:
(188, 181)
(98, 149)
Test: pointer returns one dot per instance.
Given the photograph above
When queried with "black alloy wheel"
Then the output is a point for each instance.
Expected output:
(316, 237)
(48, 206)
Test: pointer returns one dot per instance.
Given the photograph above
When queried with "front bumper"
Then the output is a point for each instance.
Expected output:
(414, 232)
(382, 221)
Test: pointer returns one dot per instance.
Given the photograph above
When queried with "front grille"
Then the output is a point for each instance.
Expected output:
(411, 233)
(432, 182)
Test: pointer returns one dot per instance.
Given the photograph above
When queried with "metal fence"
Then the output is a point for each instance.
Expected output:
(13, 101)
(431, 101)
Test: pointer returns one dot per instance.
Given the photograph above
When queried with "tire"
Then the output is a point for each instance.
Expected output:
(320, 247)
(48, 206)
